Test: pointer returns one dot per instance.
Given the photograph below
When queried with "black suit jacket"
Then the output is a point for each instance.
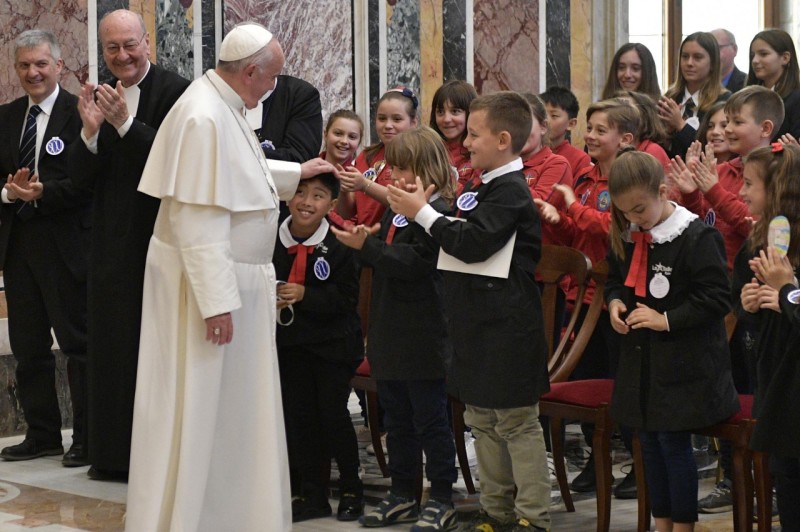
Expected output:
(736, 81)
(62, 214)
(292, 121)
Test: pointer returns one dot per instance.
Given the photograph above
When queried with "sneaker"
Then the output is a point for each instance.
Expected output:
(483, 522)
(472, 456)
(392, 509)
(523, 525)
(774, 508)
(371, 447)
(434, 516)
(719, 500)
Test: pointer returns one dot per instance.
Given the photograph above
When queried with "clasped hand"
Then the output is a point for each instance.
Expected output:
(22, 185)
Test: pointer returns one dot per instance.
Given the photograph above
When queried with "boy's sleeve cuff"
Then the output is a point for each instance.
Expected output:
(426, 217)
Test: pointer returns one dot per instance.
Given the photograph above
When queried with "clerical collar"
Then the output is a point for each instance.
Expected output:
(288, 240)
(147, 71)
(47, 104)
(226, 92)
(512, 166)
(669, 229)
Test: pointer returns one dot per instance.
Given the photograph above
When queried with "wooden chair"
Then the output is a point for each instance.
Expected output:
(584, 400)
(556, 263)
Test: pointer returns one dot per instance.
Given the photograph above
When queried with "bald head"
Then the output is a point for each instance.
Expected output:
(126, 45)
(727, 50)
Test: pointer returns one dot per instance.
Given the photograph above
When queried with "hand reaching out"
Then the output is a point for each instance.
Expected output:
(355, 236)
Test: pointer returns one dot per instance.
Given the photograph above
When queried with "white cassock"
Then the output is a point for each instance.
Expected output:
(208, 450)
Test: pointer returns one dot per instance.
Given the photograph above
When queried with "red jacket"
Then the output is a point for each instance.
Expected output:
(459, 158)
(648, 146)
(721, 207)
(543, 170)
(578, 160)
(367, 210)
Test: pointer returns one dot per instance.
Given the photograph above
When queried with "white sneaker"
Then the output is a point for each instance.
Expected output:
(472, 456)
(371, 448)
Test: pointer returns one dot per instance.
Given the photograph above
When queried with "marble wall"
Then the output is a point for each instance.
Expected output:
(66, 18)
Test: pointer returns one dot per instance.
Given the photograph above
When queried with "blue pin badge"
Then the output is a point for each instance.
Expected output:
(794, 297)
(603, 201)
(322, 269)
(54, 146)
(267, 144)
(711, 218)
(399, 220)
(370, 174)
(779, 234)
(467, 201)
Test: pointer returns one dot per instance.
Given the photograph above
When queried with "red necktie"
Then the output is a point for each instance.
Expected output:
(298, 272)
(637, 273)
(390, 234)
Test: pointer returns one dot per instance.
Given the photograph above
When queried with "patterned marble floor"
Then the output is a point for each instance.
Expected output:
(42, 496)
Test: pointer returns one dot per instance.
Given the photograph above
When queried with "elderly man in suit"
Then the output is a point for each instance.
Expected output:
(120, 120)
(732, 78)
(44, 240)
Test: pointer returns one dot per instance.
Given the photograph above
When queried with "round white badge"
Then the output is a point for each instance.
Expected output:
(54, 146)
(399, 220)
(322, 269)
(467, 201)
(370, 174)
(659, 286)
(794, 297)
(711, 218)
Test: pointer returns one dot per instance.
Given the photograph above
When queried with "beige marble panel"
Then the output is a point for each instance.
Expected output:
(431, 52)
(581, 62)
(66, 18)
(147, 8)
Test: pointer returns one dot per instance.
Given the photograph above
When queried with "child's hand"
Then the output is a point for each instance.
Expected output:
(679, 175)
(749, 296)
(355, 236)
(787, 139)
(616, 309)
(567, 192)
(350, 178)
(768, 298)
(290, 293)
(772, 268)
(409, 203)
(547, 212)
(670, 113)
(709, 158)
(703, 176)
(694, 151)
(643, 317)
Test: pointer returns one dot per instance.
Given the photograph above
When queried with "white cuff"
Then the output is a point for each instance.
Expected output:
(667, 320)
(124, 128)
(4, 196)
(91, 144)
(426, 217)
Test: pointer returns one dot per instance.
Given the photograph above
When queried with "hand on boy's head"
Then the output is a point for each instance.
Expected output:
(617, 310)
(409, 203)
(314, 167)
(567, 192)
(547, 212)
(680, 176)
(643, 317)
(787, 139)
(291, 293)
(773, 268)
(355, 235)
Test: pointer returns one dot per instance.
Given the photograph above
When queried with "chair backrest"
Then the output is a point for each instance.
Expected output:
(556, 263)
(571, 348)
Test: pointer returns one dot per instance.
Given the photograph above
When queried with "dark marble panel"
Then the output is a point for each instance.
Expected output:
(454, 45)
(103, 7)
(557, 43)
(209, 14)
(12, 420)
(373, 23)
(174, 44)
(402, 46)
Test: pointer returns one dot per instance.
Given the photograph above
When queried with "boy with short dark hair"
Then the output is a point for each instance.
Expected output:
(319, 346)
(562, 110)
(499, 369)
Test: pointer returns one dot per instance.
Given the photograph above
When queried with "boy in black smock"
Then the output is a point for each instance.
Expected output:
(319, 346)
(499, 367)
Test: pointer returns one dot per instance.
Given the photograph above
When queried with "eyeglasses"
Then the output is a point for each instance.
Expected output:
(130, 46)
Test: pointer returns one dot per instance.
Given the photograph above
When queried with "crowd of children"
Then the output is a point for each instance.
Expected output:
(676, 192)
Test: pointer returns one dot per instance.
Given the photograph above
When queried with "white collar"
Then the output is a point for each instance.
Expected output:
(669, 229)
(288, 240)
(47, 104)
(694, 96)
(226, 92)
(512, 166)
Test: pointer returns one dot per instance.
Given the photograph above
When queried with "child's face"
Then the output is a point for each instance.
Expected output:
(629, 70)
(406, 174)
(716, 134)
(534, 142)
(559, 122)
(641, 207)
(310, 204)
(753, 192)
(602, 139)
(451, 121)
(744, 134)
(342, 140)
(767, 64)
(695, 63)
(483, 144)
(392, 118)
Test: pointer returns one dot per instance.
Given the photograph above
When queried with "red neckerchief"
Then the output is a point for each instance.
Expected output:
(474, 183)
(637, 272)
(298, 272)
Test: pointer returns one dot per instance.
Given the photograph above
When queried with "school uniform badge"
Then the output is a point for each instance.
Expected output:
(370, 174)
(322, 269)
(267, 144)
(603, 201)
(467, 201)
(54, 146)
(710, 218)
(794, 297)
(399, 220)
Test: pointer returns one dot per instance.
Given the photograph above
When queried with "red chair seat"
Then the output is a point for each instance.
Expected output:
(590, 393)
(363, 369)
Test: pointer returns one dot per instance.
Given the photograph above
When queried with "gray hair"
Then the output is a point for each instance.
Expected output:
(728, 34)
(33, 38)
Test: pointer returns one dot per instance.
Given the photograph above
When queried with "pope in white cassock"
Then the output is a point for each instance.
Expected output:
(208, 450)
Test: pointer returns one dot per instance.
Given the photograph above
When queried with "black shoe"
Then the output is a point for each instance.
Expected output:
(351, 507)
(30, 449)
(76, 456)
(107, 475)
(627, 488)
(585, 481)
(304, 509)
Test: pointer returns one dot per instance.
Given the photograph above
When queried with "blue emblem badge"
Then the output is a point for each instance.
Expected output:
(467, 201)
(399, 220)
(370, 174)
(711, 218)
(794, 297)
(54, 146)
(322, 269)
(267, 144)
(603, 201)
